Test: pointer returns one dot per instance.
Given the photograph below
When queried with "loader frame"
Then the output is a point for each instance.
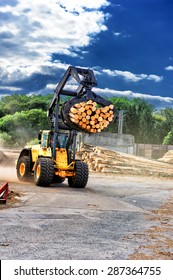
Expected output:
(57, 160)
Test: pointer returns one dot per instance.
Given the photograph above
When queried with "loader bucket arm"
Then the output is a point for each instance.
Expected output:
(59, 114)
(88, 82)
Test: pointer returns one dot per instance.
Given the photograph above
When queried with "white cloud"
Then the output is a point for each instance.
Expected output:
(9, 27)
(9, 88)
(169, 68)
(131, 94)
(121, 34)
(117, 34)
(155, 78)
(14, 73)
(34, 30)
(38, 29)
(131, 77)
(79, 6)
(118, 93)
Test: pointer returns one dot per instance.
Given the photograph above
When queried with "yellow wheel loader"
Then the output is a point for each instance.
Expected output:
(53, 159)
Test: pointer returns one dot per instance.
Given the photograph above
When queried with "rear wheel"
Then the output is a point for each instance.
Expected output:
(44, 171)
(24, 168)
(80, 179)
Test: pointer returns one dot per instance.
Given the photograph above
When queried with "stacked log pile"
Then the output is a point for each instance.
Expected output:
(90, 116)
(107, 161)
(168, 157)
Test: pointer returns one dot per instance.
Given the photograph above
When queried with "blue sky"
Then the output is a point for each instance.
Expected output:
(128, 44)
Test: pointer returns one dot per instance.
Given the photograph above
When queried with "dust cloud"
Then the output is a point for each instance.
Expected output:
(7, 166)
(8, 174)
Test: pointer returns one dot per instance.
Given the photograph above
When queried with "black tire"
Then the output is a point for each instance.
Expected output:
(43, 172)
(24, 168)
(58, 179)
(81, 175)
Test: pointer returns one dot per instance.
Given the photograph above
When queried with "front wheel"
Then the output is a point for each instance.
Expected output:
(80, 179)
(43, 172)
(24, 168)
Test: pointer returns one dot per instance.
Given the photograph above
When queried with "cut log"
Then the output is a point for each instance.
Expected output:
(73, 110)
(74, 120)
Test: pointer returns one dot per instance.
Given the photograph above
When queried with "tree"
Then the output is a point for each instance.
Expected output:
(168, 139)
(17, 103)
(163, 124)
(137, 118)
(159, 128)
(120, 103)
(5, 139)
(14, 103)
(23, 126)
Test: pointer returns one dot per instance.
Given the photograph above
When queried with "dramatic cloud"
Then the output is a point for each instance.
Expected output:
(40, 39)
(128, 76)
(10, 88)
(130, 94)
(126, 93)
(31, 33)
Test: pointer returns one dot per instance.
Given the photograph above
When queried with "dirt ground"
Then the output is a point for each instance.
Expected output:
(152, 237)
(159, 241)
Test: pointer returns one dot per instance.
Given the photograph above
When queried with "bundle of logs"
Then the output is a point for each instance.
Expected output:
(90, 116)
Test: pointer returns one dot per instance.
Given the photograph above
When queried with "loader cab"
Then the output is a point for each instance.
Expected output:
(45, 138)
(62, 140)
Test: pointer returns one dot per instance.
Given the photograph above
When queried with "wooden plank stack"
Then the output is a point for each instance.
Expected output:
(90, 116)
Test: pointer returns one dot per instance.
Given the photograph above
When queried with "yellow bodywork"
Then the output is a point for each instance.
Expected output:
(39, 151)
(62, 168)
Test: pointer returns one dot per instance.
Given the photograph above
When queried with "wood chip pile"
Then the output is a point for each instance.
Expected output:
(90, 116)
(107, 161)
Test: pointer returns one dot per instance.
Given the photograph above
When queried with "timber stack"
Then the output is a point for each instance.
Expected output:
(167, 157)
(107, 161)
(90, 116)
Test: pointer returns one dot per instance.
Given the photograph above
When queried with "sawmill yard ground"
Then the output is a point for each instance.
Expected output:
(125, 211)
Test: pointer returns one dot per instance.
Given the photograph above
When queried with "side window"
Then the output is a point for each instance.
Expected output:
(44, 140)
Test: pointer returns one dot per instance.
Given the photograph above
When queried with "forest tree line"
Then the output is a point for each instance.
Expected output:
(22, 116)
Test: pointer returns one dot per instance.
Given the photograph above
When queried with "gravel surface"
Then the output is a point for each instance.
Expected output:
(114, 217)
